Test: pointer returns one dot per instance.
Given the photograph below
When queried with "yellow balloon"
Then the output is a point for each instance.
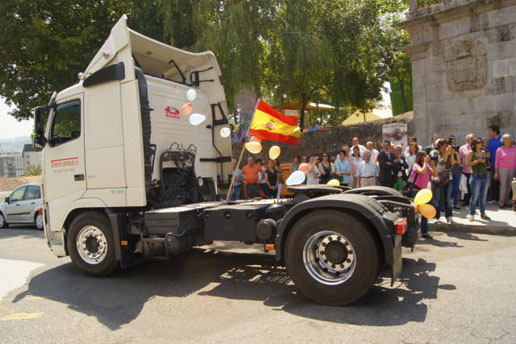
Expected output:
(253, 147)
(274, 152)
(333, 182)
(423, 196)
(427, 210)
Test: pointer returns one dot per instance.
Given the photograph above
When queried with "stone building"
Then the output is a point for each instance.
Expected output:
(463, 66)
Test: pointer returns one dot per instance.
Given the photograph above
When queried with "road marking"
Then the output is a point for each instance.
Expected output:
(14, 274)
(20, 316)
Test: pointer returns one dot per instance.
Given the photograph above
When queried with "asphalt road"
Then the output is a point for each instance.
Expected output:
(459, 288)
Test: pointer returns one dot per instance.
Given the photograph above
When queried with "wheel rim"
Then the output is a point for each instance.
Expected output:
(92, 245)
(39, 222)
(329, 257)
(2, 221)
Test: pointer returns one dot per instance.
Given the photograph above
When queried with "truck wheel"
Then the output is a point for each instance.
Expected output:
(3, 222)
(91, 245)
(331, 257)
(38, 221)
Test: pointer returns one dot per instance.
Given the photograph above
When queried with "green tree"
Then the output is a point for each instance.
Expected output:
(390, 42)
(324, 51)
(46, 43)
(300, 57)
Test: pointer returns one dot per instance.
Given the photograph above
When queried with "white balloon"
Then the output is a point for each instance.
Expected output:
(196, 119)
(296, 178)
(225, 132)
(191, 95)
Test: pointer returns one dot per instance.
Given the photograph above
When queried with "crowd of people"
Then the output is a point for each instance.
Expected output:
(471, 172)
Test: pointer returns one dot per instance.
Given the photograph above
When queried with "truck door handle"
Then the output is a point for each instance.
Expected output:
(78, 177)
(32, 202)
(17, 204)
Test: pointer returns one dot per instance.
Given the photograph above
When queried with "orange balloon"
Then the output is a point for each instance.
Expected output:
(304, 167)
(187, 109)
(255, 139)
(427, 210)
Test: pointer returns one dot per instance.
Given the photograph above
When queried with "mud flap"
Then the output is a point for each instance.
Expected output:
(396, 267)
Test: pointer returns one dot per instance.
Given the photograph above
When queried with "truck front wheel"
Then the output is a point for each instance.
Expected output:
(331, 257)
(91, 245)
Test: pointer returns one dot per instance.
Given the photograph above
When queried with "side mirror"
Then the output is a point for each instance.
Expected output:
(7, 200)
(39, 142)
(40, 116)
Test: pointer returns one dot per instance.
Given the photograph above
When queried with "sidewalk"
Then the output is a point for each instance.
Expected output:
(503, 221)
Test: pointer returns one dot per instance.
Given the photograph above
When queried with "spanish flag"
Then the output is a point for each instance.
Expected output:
(269, 124)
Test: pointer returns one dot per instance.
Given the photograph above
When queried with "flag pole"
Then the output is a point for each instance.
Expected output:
(233, 177)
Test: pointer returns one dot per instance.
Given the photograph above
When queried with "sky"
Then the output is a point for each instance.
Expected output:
(10, 127)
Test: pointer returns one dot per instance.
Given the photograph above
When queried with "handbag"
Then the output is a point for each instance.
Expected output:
(443, 178)
(410, 184)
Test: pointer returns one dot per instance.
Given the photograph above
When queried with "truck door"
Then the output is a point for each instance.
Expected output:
(64, 156)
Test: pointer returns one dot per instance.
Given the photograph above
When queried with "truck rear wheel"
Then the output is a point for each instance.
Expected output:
(91, 245)
(331, 257)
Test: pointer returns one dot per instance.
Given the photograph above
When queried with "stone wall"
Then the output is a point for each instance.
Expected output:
(464, 67)
(331, 140)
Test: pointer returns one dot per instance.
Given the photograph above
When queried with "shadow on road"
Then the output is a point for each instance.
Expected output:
(464, 236)
(21, 231)
(118, 300)
(439, 243)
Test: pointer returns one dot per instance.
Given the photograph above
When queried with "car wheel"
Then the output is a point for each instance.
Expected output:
(331, 257)
(39, 221)
(91, 245)
(3, 222)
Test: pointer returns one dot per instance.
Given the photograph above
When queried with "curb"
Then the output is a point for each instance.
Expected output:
(458, 227)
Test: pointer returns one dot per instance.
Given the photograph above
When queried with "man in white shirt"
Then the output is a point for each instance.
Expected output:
(367, 171)
(374, 152)
(356, 143)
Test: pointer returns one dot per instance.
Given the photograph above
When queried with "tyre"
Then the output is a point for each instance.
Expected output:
(3, 222)
(90, 244)
(38, 221)
(331, 257)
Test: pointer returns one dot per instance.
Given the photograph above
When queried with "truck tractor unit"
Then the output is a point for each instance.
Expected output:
(128, 174)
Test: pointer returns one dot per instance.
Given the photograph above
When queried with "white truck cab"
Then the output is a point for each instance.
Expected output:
(98, 145)
(133, 156)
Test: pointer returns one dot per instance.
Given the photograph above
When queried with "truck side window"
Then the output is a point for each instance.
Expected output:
(66, 125)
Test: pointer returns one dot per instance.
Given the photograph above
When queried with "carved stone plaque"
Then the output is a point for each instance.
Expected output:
(466, 65)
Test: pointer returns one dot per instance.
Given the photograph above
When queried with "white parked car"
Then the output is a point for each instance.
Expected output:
(22, 206)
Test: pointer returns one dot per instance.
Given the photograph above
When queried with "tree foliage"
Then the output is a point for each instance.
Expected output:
(324, 51)
(46, 43)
